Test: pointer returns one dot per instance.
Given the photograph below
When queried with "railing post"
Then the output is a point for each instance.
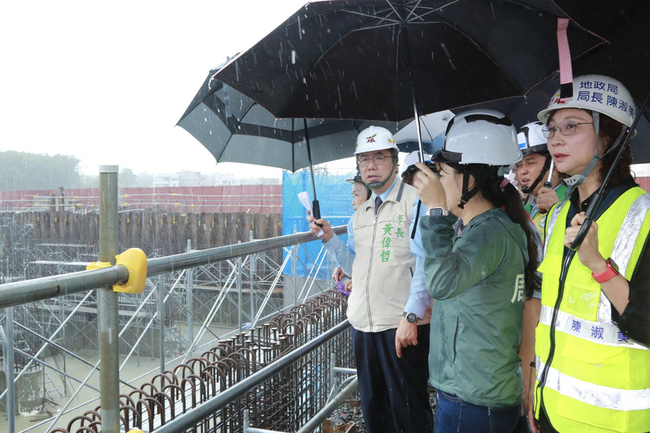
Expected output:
(10, 398)
(160, 299)
(109, 382)
(239, 294)
(251, 284)
(189, 288)
(294, 269)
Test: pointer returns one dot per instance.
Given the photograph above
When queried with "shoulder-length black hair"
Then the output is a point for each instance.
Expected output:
(494, 189)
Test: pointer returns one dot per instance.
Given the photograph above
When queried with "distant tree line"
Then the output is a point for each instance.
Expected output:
(28, 171)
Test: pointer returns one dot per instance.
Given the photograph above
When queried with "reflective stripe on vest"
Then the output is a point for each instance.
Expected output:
(595, 395)
(629, 232)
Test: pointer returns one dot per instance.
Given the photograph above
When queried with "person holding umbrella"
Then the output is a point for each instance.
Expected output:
(390, 331)
(592, 340)
(537, 174)
(478, 279)
(360, 193)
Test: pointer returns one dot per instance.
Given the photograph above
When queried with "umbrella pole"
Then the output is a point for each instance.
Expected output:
(417, 125)
(315, 206)
(421, 151)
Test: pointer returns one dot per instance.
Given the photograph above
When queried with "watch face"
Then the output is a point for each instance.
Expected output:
(411, 317)
(613, 263)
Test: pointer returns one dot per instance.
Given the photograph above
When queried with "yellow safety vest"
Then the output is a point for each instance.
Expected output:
(599, 380)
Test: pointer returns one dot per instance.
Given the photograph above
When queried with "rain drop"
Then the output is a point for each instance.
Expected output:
(293, 57)
(444, 48)
(299, 29)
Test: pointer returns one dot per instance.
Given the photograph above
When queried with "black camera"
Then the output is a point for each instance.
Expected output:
(412, 169)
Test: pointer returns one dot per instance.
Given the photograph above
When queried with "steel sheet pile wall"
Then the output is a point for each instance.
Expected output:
(265, 199)
(159, 232)
(283, 403)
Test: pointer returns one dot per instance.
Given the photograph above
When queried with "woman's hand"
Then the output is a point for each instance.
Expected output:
(339, 275)
(588, 250)
(429, 188)
(546, 198)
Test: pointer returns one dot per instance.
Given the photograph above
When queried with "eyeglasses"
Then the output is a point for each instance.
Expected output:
(565, 128)
(377, 160)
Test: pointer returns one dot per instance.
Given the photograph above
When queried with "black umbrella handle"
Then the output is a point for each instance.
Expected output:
(315, 210)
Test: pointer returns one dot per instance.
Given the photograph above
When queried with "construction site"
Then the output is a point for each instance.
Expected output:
(193, 333)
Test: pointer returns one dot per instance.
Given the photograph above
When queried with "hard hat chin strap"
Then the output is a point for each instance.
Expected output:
(466, 194)
(376, 185)
(547, 165)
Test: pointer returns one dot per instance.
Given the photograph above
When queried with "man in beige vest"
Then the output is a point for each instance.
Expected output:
(389, 337)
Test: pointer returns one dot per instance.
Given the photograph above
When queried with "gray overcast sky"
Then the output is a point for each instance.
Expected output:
(107, 81)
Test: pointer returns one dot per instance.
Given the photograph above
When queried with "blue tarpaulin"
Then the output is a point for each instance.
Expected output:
(335, 198)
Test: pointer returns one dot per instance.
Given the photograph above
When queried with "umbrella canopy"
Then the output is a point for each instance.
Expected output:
(432, 131)
(389, 59)
(626, 57)
(234, 128)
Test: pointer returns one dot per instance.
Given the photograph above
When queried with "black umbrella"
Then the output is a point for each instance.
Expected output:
(234, 128)
(383, 60)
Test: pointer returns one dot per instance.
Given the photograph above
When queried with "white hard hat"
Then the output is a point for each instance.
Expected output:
(375, 138)
(531, 138)
(598, 93)
(480, 136)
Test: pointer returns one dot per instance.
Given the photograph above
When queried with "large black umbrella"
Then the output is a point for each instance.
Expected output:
(234, 128)
(390, 59)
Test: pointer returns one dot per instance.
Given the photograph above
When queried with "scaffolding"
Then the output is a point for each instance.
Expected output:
(55, 340)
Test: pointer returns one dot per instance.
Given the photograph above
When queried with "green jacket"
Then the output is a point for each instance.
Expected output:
(477, 282)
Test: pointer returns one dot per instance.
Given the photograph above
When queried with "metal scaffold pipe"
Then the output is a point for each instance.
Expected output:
(109, 379)
(38, 289)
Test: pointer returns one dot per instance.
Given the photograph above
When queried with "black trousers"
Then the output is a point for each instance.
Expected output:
(394, 396)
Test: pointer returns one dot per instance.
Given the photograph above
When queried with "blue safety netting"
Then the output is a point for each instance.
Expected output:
(335, 199)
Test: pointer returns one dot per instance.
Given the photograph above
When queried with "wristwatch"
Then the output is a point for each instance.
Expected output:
(437, 211)
(410, 317)
(608, 274)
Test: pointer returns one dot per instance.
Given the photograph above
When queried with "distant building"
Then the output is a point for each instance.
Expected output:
(195, 178)
(161, 180)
